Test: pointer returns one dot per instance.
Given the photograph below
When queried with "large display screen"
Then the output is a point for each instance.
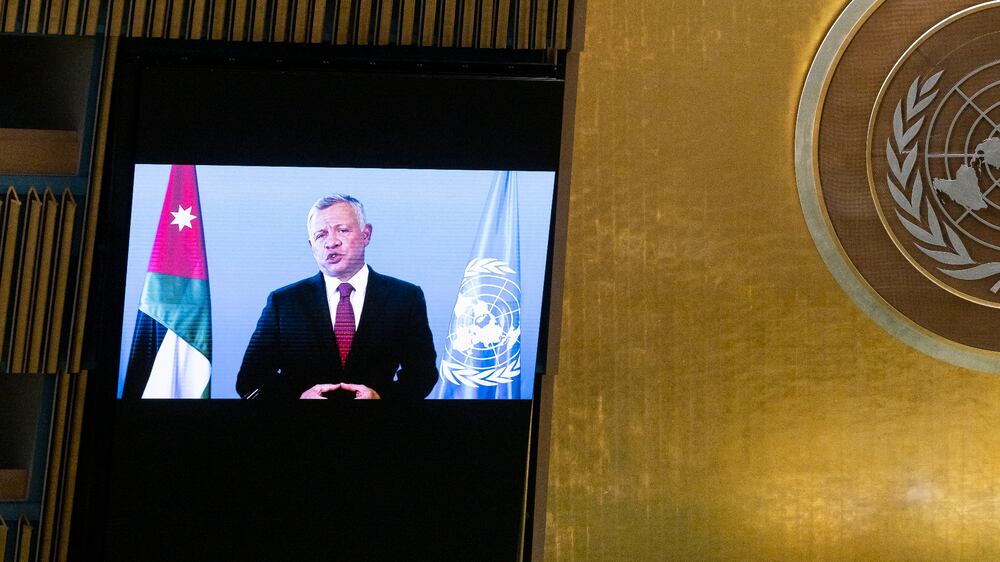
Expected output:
(227, 224)
(210, 247)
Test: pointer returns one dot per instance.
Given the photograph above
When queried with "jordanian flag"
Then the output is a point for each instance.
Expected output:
(172, 347)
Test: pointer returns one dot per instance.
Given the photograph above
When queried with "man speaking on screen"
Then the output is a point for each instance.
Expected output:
(346, 331)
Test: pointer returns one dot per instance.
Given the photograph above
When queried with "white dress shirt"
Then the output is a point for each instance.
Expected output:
(360, 283)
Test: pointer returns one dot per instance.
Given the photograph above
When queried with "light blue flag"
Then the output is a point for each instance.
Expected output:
(482, 355)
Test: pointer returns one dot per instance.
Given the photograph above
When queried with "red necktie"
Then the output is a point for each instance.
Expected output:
(343, 329)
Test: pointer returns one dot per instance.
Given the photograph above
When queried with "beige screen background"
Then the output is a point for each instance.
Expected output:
(719, 396)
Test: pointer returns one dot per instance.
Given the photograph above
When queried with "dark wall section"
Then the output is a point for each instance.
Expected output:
(353, 120)
(319, 481)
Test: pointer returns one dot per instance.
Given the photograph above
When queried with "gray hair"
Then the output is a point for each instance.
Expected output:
(333, 199)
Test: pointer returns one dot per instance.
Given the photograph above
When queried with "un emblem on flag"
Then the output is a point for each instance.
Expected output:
(484, 339)
(898, 170)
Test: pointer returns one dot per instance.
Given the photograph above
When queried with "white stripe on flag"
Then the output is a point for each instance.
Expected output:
(179, 370)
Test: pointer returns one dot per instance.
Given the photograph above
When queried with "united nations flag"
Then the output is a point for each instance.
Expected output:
(482, 356)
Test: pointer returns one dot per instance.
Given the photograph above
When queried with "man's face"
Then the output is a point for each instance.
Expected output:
(338, 241)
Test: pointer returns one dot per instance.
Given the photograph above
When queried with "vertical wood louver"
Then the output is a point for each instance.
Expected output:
(483, 24)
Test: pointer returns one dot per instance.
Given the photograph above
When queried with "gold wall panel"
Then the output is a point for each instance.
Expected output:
(718, 395)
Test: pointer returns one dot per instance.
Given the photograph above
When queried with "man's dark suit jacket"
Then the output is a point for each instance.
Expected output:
(294, 348)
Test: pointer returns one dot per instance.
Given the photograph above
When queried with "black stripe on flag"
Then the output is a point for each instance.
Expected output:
(146, 342)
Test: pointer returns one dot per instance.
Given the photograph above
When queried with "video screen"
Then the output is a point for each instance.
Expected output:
(335, 283)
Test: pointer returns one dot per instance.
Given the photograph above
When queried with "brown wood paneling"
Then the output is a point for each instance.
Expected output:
(503, 22)
(446, 24)
(69, 476)
(54, 469)
(25, 535)
(93, 17)
(60, 284)
(42, 284)
(363, 22)
(34, 9)
(301, 17)
(54, 17)
(23, 291)
(427, 26)
(8, 248)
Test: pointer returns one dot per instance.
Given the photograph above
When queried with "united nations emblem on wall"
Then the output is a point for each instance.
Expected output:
(898, 166)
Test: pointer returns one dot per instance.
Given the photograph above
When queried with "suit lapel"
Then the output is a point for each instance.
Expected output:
(370, 313)
(320, 325)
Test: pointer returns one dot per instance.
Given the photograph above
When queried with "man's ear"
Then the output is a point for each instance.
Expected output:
(366, 232)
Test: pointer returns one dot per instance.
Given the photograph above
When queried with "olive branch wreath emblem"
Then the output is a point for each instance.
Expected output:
(459, 374)
(942, 245)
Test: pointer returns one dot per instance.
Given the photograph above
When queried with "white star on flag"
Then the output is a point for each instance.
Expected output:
(182, 218)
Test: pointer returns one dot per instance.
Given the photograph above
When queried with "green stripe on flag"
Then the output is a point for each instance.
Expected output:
(182, 305)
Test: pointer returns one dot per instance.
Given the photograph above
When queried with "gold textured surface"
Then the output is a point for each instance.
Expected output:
(719, 396)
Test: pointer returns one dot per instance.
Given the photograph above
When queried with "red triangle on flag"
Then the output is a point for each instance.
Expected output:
(179, 248)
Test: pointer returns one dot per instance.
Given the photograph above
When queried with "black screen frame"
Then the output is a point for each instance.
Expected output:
(528, 86)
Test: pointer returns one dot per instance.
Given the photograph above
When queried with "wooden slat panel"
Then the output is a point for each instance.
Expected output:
(343, 11)
(363, 21)
(8, 9)
(218, 10)
(539, 18)
(563, 24)
(158, 19)
(60, 284)
(196, 19)
(3, 536)
(72, 12)
(503, 23)
(54, 469)
(93, 17)
(118, 16)
(448, 24)
(427, 33)
(237, 23)
(55, 17)
(8, 249)
(42, 284)
(137, 23)
(523, 23)
(34, 9)
(173, 12)
(537, 24)
(406, 24)
(467, 22)
(69, 478)
(25, 281)
(277, 23)
(301, 16)
(317, 22)
(385, 22)
(485, 24)
(259, 8)
(25, 532)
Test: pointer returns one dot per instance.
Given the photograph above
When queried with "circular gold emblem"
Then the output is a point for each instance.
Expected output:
(898, 166)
